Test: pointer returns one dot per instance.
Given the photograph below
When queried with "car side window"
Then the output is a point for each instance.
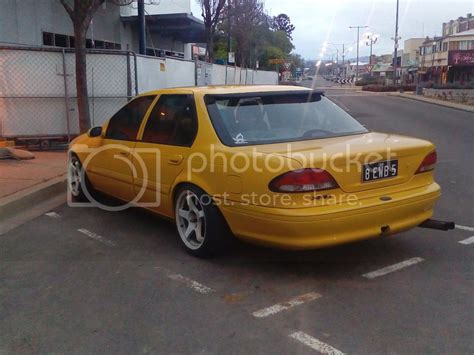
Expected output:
(172, 121)
(124, 125)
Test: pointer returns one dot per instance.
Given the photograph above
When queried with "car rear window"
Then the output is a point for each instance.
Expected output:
(265, 118)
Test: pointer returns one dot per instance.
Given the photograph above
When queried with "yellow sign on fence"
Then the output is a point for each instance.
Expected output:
(276, 61)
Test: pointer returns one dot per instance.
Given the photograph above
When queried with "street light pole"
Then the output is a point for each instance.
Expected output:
(358, 39)
(343, 56)
(370, 41)
(395, 52)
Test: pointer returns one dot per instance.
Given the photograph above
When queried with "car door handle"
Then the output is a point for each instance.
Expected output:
(175, 159)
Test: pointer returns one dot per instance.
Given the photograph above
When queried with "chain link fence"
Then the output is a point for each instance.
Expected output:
(38, 90)
(38, 101)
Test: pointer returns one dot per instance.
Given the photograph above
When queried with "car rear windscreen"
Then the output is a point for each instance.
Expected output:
(266, 118)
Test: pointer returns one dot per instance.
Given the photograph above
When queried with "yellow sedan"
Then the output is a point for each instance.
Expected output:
(274, 165)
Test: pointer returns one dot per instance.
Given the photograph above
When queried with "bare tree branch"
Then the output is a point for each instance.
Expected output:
(211, 13)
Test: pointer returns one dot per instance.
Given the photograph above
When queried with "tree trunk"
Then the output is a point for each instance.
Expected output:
(81, 77)
(210, 47)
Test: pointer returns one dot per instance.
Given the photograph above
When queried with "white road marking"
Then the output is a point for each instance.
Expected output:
(196, 286)
(97, 237)
(464, 228)
(393, 268)
(315, 344)
(286, 305)
(467, 241)
(52, 215)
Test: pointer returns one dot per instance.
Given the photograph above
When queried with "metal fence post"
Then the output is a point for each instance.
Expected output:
(135, 65)
(66, 97)
(129, 77)
(195, 71)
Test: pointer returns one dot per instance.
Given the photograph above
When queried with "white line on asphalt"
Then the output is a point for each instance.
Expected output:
(97, 237)
(392, 268)
(52, 215)
(196, 286)
(315, 344)
(467, 241)
(286, 305)
(464, 228)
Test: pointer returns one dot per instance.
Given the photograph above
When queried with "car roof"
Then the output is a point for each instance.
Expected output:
(229, 89)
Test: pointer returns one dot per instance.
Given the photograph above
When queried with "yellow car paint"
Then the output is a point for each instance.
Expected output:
(378, 208)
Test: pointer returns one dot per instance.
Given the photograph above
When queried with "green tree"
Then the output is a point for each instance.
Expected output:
(254, 35)
(283, 23)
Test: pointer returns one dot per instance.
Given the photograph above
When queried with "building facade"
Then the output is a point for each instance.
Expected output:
(462, 24)
(171, 27)
(410, 59)
(449, 58)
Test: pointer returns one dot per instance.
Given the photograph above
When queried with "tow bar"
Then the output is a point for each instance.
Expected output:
(438, 225)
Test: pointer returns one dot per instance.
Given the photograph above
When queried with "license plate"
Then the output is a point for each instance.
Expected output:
(380, 170)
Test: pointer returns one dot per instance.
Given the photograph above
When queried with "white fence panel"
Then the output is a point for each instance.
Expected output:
(179, 73)
(150, 74)
(33, 91)
(158, 73)
(219, 74)
(266, 78)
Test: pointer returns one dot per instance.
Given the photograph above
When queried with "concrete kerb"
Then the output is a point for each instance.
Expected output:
(24, 199)
(452, 105)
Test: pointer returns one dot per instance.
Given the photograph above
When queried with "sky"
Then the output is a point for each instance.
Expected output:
(317, 21)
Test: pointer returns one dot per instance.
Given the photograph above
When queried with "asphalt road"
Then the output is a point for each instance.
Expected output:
(125, 285)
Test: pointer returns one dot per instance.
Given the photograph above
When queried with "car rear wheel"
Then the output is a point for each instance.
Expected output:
(201, 227)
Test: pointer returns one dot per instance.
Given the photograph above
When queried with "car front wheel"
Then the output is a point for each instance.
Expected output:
(77, 179)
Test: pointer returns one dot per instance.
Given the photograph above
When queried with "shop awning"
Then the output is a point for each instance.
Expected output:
(181, 27)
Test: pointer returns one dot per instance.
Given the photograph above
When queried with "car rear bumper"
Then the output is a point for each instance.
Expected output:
(320, 226)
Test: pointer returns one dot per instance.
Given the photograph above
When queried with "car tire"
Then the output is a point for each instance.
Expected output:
(75, 176)
(202, 229)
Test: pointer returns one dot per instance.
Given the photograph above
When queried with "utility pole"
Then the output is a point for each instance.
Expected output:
(358, 39)
(141, 27)
(343, 62)
(228, 29)
(395, 52)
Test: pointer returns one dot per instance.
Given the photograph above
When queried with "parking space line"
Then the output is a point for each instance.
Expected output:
(52, 215)
(464, 228)
(467, 241)
(393, 268)
(286, 305)
(315, 344)
(97, 237)
(196, 286)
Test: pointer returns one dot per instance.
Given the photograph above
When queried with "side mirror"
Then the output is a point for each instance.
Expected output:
(95, 132)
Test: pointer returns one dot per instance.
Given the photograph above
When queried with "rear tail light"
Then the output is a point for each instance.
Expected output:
(304, 180)
(428, 163)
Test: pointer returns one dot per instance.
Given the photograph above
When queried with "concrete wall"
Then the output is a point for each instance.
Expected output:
(23, 22)
(453, 95)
